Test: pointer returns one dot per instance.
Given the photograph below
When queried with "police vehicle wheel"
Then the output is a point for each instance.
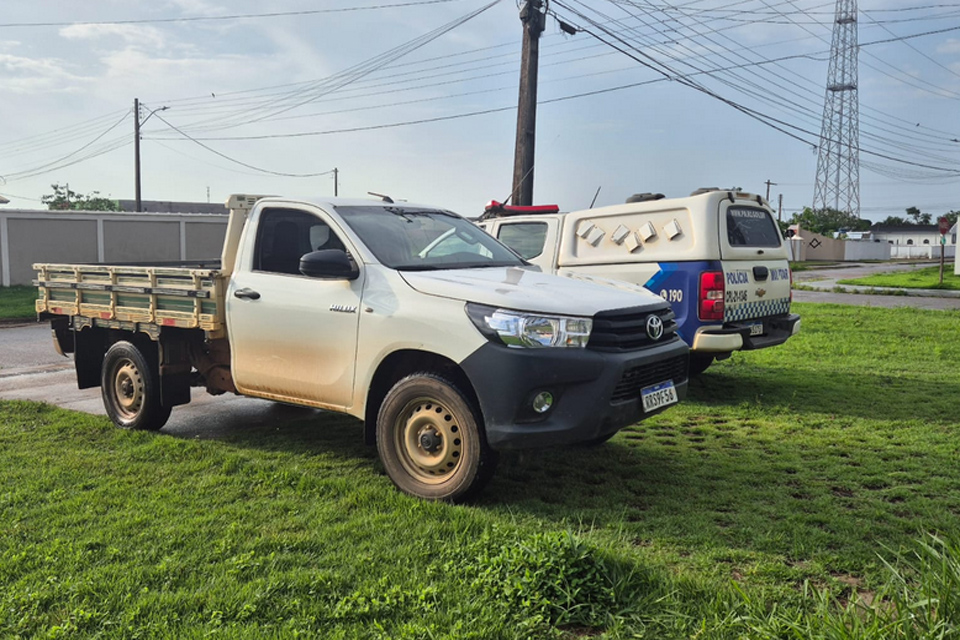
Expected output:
(699, 363)
(431, 441)
(130, 388)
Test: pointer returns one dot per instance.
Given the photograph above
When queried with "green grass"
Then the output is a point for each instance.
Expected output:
(17, 302)
(924, 278)
(794, 487)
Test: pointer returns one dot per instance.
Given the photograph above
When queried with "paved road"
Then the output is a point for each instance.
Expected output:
(30, 369)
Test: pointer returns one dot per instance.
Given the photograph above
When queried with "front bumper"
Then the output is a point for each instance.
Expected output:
(596, 393)
(735, 336)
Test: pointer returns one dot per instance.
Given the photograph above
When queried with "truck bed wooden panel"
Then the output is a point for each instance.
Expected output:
(164, 296)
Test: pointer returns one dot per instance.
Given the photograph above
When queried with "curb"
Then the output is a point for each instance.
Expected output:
(829, 285)
(16, 322)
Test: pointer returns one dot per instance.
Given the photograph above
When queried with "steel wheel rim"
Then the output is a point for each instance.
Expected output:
(428, 438)
(128, 389)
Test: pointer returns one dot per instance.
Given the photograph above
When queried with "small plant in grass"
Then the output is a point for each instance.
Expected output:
(553, 576)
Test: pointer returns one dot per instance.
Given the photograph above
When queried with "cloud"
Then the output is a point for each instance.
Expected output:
(36, 75)
(135, 35)
(952, 45)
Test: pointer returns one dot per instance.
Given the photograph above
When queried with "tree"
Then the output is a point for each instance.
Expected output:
(951, 217)
(827, 221)
(895, 221)
(918, 218)
(64, 199)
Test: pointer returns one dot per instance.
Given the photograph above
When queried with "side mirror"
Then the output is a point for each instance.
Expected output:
(329, 263)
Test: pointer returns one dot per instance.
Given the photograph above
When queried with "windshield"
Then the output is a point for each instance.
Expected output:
(413, 239)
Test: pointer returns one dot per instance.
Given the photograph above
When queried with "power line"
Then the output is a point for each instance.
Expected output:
(241, 16)
(240, 162)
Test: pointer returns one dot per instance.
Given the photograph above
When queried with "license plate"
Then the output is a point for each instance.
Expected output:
(756, 329)
(658, 395)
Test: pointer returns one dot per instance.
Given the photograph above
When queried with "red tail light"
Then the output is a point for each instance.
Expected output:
(711, 295)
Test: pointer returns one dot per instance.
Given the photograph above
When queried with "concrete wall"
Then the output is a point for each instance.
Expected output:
(818, 247)
(923, 252)
(856, 251)
(814, 246)
(100, 237)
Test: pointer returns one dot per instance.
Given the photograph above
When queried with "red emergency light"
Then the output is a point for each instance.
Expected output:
(495, 208)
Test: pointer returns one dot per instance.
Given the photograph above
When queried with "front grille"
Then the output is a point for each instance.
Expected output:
(626, 329)
(636, 378)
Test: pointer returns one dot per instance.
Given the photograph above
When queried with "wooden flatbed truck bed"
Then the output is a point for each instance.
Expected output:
(116, 296)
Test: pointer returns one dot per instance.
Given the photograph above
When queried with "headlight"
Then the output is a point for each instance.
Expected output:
(519, 329)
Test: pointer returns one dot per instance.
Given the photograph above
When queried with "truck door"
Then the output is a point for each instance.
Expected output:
(292, 337)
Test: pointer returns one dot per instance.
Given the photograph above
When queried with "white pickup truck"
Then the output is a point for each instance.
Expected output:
(441, 340)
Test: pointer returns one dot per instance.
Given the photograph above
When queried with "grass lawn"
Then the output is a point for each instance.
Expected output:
(807, 491)
(925, 278)
(18, 302)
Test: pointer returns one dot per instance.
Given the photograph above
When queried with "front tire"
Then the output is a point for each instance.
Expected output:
(130, 388)
(430, 440)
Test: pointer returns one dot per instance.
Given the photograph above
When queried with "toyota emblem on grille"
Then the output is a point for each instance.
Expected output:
(654, 327)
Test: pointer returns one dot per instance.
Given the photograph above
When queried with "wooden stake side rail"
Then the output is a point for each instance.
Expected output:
(163, 296)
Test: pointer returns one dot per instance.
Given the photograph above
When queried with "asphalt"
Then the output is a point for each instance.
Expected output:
(30, 368)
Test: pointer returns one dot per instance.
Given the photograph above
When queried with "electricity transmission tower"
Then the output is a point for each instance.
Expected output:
(838, 161)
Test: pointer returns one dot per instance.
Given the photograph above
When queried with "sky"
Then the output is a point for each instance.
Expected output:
(417, 99)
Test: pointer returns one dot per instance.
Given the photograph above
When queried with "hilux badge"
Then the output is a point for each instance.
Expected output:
(342, 308)
(654, 327)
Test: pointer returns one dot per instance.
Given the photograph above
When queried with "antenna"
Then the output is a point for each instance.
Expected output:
(594, 201)
(381, 196)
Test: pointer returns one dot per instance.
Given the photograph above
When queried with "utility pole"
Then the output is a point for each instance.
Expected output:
(137, 123)
(336, 172)
(780, 208)
(769, 184)
(136, 154)
(534, 20)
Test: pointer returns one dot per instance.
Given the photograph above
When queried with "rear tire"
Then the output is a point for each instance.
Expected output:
(130, 387)
(431, 441)
(699, 363)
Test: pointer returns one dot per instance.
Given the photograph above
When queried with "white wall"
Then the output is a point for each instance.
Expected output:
(923, 252)
(855, 251)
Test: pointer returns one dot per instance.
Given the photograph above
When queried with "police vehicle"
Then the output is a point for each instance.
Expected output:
(717, 256)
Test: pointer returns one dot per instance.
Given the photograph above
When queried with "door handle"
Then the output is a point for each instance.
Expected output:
(247, 293)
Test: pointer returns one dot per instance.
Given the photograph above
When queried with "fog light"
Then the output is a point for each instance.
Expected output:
(542, 402)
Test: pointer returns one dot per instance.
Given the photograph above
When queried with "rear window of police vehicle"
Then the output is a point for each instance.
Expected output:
(526, 238)
(749, 227)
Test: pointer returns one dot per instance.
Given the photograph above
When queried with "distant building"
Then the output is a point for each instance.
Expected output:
(166, 206)
(916, 235)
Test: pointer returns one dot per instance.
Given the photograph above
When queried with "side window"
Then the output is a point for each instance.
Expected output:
(284, 235)
(526, 238)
